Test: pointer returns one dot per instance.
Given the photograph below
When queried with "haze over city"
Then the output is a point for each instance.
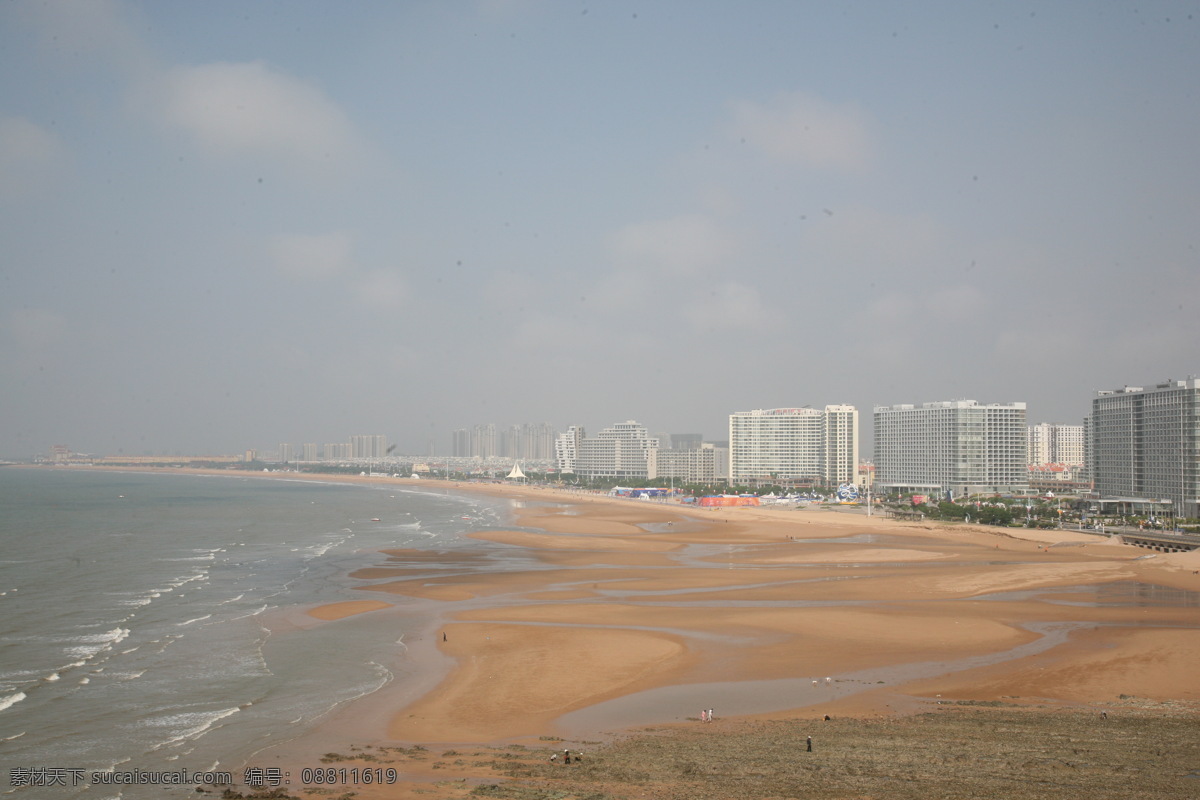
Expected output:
(227, 226)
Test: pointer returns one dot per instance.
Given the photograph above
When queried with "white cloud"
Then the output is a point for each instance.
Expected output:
(28, 154)
(250, 108)
(868, 241)
(800, 128)
(537, 332)
(962, 304)
(381, 289)
(918, 321)
(321, 257)
(732, 306)
(246, 108)
(309, 257)
(680, 246)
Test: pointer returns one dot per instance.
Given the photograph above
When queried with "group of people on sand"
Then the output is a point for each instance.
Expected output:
(566, 757)
(706, 715)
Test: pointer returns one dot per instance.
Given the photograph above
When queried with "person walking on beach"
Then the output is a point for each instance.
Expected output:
(710, 715)
(810, 744)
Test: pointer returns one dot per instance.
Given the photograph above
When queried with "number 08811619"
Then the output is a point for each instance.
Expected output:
(339, 776)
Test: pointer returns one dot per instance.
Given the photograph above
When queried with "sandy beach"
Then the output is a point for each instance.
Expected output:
(638, 613)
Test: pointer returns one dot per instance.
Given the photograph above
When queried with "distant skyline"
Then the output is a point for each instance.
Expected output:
(227, 226)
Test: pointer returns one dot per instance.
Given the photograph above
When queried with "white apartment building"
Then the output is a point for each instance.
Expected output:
(956, 446)
(483, 441)
(1056, 444)
(566, 448)
(620, 451)
(704, 464)
(1145, 443)
(336, 451)
(841, 444)
(794, 443)
(528, 441)
(368, 446)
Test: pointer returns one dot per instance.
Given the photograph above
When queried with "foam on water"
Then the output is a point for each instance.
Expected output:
(11, 700)
(188, 725)
(92, 645)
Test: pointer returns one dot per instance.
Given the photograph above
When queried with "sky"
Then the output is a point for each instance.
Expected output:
(228, 225)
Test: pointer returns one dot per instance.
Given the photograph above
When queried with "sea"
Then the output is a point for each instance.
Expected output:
(142, 618)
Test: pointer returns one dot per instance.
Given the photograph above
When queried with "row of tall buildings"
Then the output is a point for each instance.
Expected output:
(527, 442)
(811, 445)
(1139, 446)
(1136, 444)
(626, 450)
(361, 447)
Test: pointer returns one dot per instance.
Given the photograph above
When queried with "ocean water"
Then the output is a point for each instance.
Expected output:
(139, 617)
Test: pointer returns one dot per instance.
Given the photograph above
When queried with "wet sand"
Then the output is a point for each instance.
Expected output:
(332, 611)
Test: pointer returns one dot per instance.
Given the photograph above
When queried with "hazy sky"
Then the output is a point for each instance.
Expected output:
(227, 225)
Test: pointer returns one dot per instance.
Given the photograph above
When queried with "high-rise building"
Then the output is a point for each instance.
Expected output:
(309, 451)
(820, 445)
(704, 464)
(841, 444)
(566, 448)
(1056, 444)
(528, 442)
(368, 446)
(620, 451)
(1145, 443)
(483, 441)
(776, 443)
(286, 455)
(336, 451)
(460, 446)
(956, 446)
